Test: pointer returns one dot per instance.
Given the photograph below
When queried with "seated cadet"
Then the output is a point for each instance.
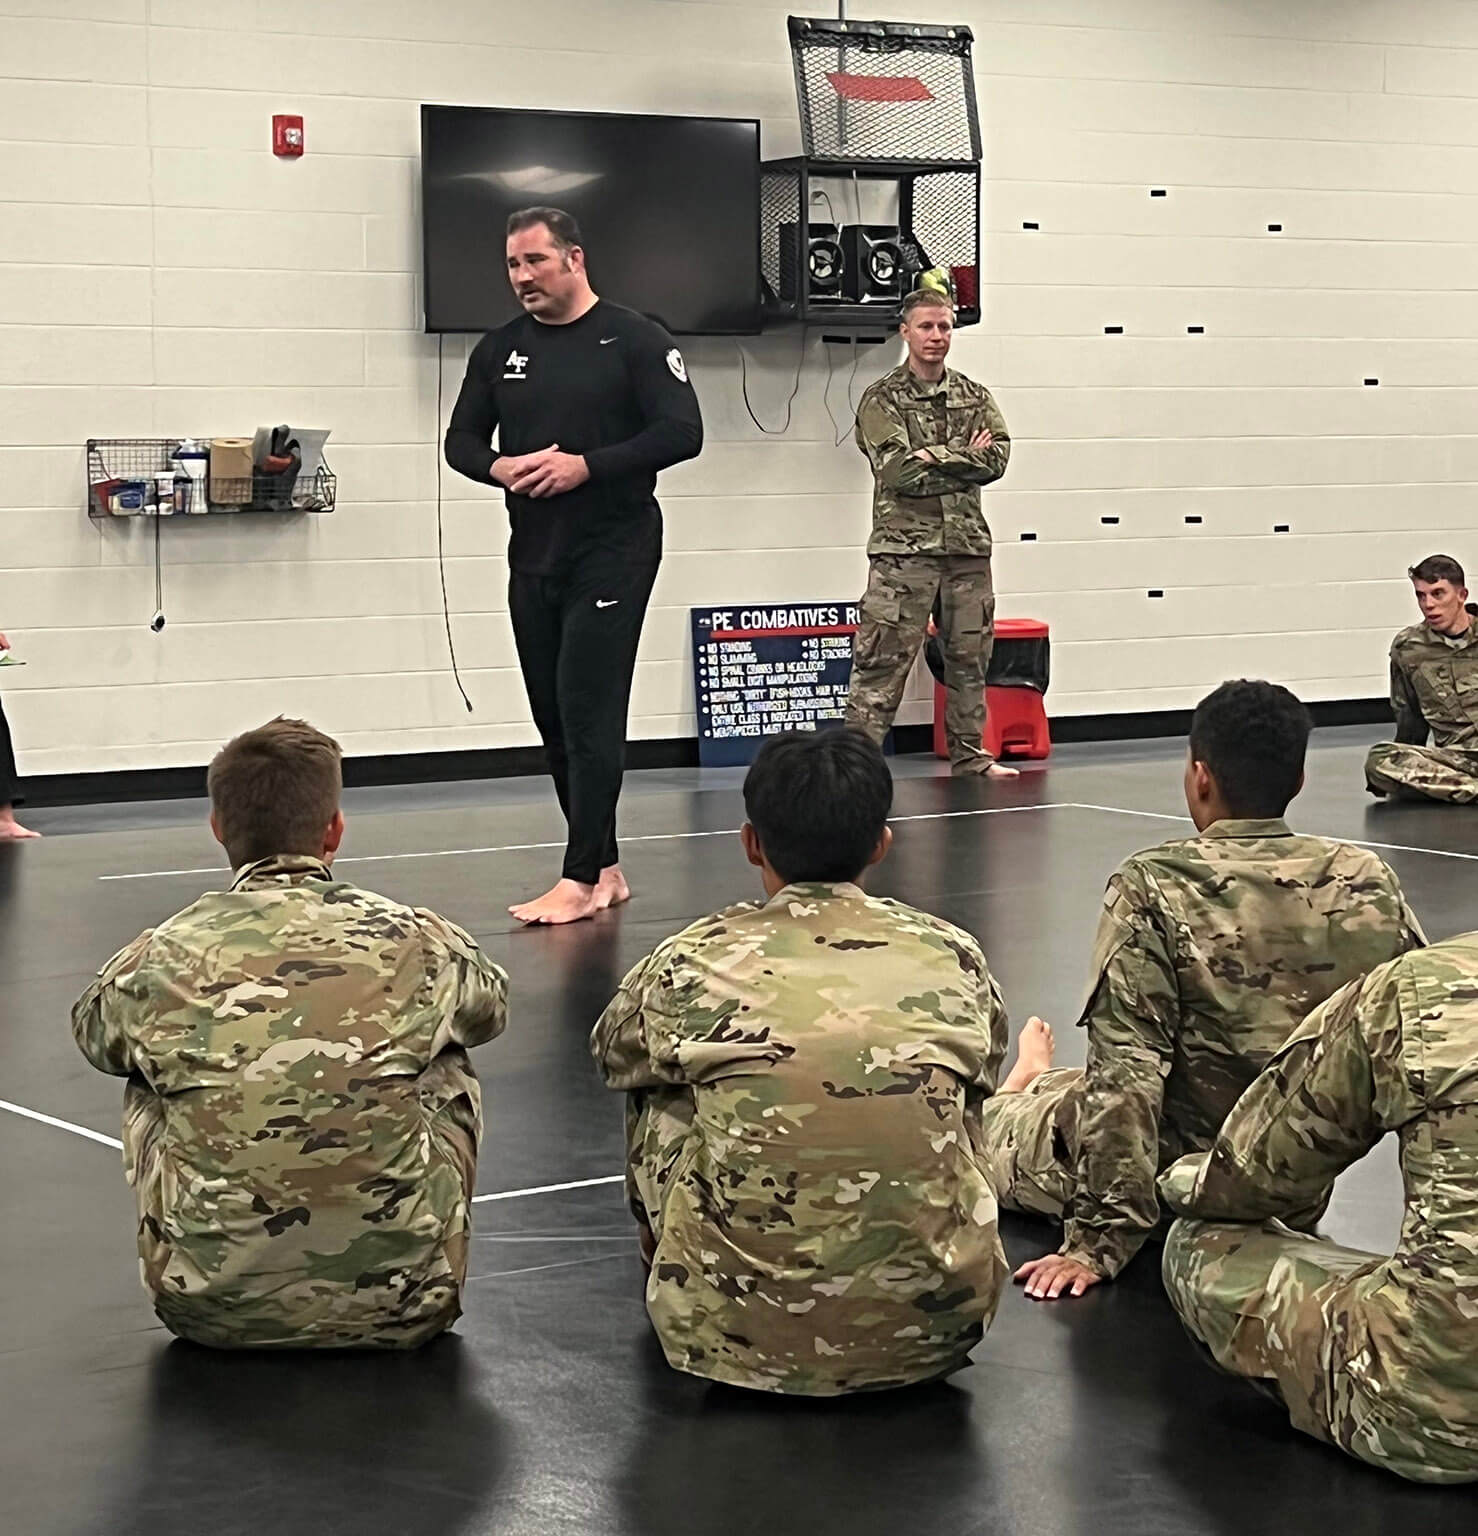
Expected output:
(1434, 690)
(1210, 950)
(804, 1077)
(301, 1120)
(1376, 1355)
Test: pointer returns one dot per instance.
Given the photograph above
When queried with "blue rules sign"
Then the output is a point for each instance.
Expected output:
(759, 670)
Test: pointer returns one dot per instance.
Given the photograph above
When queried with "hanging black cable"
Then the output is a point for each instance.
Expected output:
(446, 611)
(840, 432)
(795, 388)
(157, 623)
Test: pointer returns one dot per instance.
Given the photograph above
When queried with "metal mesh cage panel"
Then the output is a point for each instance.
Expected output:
(882, 90)
(780, 206)
(946, 218)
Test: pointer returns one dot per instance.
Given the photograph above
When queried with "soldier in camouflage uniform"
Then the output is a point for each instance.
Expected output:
(933, 438)
(301, 1119)
(1210, 951)
(1376, 1355)
(804, 1081)
(1434, 690)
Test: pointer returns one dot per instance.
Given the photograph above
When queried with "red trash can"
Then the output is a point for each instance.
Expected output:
(1016, 680)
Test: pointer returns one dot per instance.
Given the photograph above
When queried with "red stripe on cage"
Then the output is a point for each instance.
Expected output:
(879, 87)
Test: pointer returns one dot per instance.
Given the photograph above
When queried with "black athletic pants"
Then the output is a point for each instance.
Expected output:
(577, 633)
(9, 783)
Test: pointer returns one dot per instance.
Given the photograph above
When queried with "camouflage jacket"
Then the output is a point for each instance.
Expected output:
(1434, 686)
(290, 1044)
(920, 508)
(1210, 951)
(826, 1225)
(1396, 1051)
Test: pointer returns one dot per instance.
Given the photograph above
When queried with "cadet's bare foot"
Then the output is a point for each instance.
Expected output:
(611, 889)
(981, 767)
(567, 902)
(11, 831)
(1033, 1056)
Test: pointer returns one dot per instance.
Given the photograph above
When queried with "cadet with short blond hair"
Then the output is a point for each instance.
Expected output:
(301, 1120)
(933, 438)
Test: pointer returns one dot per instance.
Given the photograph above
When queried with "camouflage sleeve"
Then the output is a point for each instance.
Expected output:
(99, 1016)
(1131, 1020)
(978, 466)
(1411, 725)
(474, 988)
(993, 1008)
(1311, 1113)
(1410, 933)
(883, 437)
(620, 1041)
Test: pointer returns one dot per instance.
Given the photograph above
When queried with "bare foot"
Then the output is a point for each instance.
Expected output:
(1033, 1056)
(981, 767)
(611, 890)
(567, 902)
(12, 831)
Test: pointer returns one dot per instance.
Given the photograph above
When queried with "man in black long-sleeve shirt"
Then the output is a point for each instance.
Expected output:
(589, 401)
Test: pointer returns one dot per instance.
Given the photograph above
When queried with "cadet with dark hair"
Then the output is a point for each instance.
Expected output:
(589, 402)
(1434, 692)
(804, 1079)
(1375, 1353)
(301, 1120)
(1210, 951)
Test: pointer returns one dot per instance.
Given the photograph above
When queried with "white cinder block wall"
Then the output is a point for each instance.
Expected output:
(161, 273)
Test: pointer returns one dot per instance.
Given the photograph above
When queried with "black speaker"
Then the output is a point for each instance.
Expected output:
(875, 267)
(823, 263)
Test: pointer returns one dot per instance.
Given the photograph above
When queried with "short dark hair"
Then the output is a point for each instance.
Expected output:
(818, 802)
(561, 225)
(925, 298)
(1252, 737)
(275, 790)
(1438, 568)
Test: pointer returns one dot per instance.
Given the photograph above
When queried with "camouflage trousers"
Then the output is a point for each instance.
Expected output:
(658, 1121)
(1029, 1143)
(1287, 1312)
(1423, 773)
(400, 1297)
(895, 618)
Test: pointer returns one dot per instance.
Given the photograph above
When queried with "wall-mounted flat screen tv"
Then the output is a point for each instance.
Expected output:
(669, 209)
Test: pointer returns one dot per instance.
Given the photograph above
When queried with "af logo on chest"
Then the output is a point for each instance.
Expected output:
(678, 366)
(517, 365)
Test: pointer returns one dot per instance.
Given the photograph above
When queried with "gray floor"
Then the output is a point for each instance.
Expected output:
(551, 1410)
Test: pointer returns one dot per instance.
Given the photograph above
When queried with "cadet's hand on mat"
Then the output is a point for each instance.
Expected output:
(4, 643)
(550, 473)
(1055, 1275)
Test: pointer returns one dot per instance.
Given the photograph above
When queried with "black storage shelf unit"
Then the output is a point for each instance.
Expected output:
(938, 226)
(141, 461)
(880, 102)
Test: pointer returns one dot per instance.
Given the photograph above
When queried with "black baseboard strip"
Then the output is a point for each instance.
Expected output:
(669, 752)
(1176, 722)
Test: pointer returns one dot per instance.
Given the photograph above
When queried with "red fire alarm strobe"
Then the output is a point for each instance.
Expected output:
(287, 135)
